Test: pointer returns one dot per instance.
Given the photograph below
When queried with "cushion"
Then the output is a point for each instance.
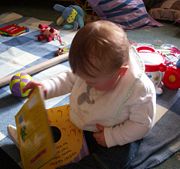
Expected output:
(150, 3)
(130, 14)
(167, 10)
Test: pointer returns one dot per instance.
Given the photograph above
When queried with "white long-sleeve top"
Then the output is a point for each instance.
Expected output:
(127, 112)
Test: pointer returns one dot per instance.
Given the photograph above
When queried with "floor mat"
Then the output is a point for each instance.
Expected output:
(168, 103)
(18, 53)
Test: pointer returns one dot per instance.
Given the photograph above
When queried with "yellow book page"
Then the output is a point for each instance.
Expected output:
(34, 134)
(67, 137)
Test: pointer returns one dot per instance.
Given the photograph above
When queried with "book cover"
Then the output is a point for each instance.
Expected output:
(34, 135)
(47, 138)
(12, 30)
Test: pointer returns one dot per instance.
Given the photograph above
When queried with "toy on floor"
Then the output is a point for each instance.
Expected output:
(18, 82)
(72, 17)
(154, 66)
(61, 51)
(13, 30)
(171, 77)
(48, 33)
(159, 69)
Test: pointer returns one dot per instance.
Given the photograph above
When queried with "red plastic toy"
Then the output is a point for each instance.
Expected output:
(13, 30)
(171, 78)
(157, 62)
(48, 33)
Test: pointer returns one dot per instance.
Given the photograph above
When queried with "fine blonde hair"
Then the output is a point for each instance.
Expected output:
(99, 48)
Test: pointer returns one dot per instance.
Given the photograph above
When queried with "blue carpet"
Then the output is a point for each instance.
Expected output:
(163, 140)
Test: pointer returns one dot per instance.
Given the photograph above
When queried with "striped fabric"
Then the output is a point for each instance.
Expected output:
(130, 14)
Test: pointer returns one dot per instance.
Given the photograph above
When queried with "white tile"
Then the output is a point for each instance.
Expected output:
(160, 112)
(2, 136)
(18, 57)
(14, 59)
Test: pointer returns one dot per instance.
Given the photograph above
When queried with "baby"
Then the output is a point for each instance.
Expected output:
(111, 98)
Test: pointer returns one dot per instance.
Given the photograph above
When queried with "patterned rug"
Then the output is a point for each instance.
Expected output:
(158, 145)
(24, 51)
(20, 53)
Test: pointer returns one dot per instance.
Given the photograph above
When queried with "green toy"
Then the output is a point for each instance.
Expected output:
(72, 17)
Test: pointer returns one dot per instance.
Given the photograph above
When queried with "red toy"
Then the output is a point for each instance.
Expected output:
(171, 78)
(161, 67)
(48, 33)
(13, 30)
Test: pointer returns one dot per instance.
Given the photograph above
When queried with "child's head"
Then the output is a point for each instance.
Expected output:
(99, 49)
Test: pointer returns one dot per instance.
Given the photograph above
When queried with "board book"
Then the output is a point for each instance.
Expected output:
(47, 138)
(12, 30)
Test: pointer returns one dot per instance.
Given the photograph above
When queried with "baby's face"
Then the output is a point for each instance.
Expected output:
(107, 82)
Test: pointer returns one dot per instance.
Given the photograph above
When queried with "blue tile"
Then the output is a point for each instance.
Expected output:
(17, 41)
(3, 48)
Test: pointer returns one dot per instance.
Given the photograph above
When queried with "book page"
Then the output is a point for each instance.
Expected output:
(68, 138)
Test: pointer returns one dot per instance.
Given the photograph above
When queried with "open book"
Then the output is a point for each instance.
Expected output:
(47, 138)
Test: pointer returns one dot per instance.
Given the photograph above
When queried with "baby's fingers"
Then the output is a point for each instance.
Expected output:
(31, 85)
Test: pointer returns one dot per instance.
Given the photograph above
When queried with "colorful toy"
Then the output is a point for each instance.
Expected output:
(13, 30)
(61, 51)
(18, 82)
(171, 77)
(159, 69)
(72, 17)
(48, 33)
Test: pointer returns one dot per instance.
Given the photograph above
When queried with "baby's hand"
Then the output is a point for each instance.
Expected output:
(32, 84)
(99, 135)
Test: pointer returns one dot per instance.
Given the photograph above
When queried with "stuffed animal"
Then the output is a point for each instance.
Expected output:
(72, 17)
(48, 33)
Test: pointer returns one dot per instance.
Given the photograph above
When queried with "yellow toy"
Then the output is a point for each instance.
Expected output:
(18, 82)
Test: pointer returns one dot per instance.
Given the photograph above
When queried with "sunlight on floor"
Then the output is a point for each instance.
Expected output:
(160, 112)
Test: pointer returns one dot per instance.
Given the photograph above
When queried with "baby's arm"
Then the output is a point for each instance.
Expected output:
(59, 85)
(141, 120)
(55, 86)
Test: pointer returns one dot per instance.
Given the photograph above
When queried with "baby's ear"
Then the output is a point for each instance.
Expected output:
(59, 8)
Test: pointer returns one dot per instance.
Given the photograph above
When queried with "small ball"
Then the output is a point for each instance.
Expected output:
(18, 82)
